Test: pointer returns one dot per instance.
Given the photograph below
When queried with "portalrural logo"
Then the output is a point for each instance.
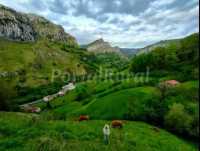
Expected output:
(102, 74)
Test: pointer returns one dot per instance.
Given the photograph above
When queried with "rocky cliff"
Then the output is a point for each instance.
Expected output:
(28, 27)
(100, 46)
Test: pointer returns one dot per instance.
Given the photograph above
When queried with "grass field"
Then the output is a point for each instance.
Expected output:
(111, 105)
(108, 104)
(115, 105)
(26, 132)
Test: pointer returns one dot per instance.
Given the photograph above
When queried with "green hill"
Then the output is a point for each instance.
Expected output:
(116, 105)
(29, 70)
(30, 133)
(144, 103)
(179, 61)
(36, 57)
(37, 61)
(164, 43)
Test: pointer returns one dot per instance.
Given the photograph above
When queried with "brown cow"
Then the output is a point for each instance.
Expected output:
(84, 118)
(117, 124)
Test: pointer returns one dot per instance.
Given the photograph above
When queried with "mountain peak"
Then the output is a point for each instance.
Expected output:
(101, 40)
(101, 46)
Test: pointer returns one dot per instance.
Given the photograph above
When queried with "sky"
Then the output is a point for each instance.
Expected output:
(123, 23)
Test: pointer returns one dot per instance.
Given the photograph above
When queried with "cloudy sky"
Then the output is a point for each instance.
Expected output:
(124, 23)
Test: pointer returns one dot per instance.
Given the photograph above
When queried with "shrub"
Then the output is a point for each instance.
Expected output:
(6, 94)
(178, 120)
(150, 109)
(81, 92)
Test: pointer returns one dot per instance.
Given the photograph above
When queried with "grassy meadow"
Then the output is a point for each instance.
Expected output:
(30, 132)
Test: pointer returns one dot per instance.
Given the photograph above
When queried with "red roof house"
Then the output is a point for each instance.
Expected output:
(172, 82)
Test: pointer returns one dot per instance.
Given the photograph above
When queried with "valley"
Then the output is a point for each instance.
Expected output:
(152, 91)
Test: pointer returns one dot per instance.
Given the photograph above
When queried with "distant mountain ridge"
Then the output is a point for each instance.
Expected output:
(137, 51)
(100, 46)
(28, 27)
(163, 43)
(129, 51)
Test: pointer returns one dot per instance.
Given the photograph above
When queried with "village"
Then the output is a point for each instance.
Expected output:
(32, 108)
(29, 107)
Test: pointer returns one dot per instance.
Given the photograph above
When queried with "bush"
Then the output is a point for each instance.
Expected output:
(178, 120)
(151, 111)
(6, 94)
(187, 90)
(81, 92)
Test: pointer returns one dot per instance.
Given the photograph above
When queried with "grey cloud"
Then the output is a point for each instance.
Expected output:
(142, 29)
(57, 6)
(89, 19)
(182, 4)
(126, 7)
(39, 5)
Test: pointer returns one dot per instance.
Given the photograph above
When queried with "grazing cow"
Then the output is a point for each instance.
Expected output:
(117, 124)
(84, 118)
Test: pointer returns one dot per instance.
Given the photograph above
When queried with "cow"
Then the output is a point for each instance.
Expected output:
(83, 118)
(117, 124)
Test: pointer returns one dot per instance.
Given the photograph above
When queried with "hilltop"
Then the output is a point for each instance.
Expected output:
(101, 46)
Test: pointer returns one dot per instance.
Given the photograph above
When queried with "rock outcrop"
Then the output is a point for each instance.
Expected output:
(15, 26)
(100, 46)
(29, 27)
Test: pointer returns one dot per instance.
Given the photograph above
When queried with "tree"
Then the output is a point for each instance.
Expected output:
(6, 94)
(178, 120)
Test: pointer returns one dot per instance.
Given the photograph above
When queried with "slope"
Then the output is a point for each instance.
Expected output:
(116, 105)
(41, 134)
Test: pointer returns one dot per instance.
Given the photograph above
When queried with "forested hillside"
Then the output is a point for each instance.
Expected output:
(177, 61)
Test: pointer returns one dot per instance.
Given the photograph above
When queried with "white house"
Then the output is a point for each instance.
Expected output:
(66, 88)
(61, 93)
(70, 86)
(46, 99)
(49, 97)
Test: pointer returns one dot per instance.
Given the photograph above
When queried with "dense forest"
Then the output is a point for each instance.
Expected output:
(179, 61)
